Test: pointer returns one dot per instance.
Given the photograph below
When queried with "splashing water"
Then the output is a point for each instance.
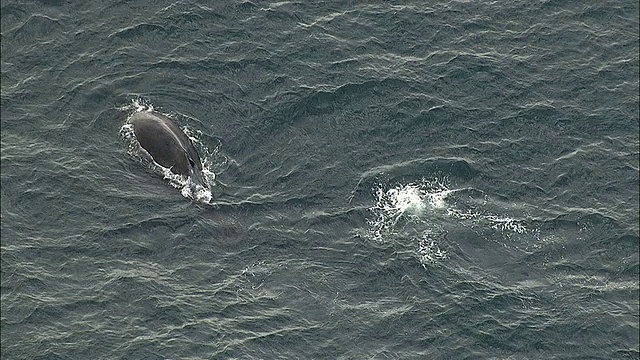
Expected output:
(408, 199)
(403, 205)
(401, 212)
(411, 211)
(137, 105)
(404, 202)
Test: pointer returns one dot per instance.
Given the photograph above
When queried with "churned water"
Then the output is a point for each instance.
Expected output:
(416, 180)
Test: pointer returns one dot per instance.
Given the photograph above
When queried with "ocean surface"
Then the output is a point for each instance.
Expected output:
(389, 180)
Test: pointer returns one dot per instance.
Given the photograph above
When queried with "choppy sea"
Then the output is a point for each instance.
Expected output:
(389, 180)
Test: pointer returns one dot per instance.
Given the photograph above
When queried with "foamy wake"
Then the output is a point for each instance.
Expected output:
(414, 211)
(403, 210)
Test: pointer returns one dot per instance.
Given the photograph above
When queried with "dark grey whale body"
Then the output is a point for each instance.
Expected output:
(168, 145)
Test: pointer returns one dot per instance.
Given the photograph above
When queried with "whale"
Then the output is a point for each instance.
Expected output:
(168, 145)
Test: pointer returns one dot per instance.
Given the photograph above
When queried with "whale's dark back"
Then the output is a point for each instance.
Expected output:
(166, 143)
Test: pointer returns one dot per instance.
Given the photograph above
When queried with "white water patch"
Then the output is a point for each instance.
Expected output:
(401, 205)
(407, 200)
(196, 192)
(422, 211)
(212, 159)
(137, 105)
(392, 205)
(186, 186)
(402, 211)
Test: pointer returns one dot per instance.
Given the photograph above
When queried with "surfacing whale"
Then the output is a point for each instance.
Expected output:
(168, 145)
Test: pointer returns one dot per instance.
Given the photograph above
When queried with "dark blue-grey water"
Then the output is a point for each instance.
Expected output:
(425, 180)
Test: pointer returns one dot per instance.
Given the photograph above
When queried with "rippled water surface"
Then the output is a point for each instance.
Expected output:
(425, 180)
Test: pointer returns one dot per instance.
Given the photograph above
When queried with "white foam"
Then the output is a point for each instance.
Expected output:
(437, 199)
(407, 199)
(416, 211)
(404, 205)
(137, 105)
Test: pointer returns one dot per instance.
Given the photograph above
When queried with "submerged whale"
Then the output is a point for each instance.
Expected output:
(168, 145)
